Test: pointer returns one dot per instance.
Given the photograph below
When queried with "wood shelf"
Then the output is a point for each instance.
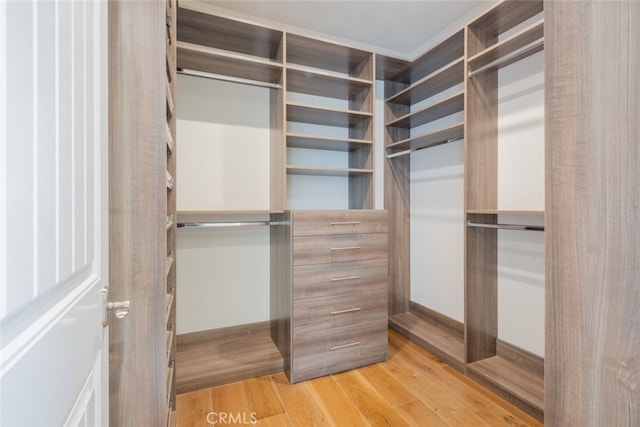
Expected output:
(441, 79)
(506, 15)
(318, 171)
(389, 67)
(169, 298)
(216, 61)
(170, 104)
(296, 140)
(437, 110)
(520, 384)
(509, 46)
(430, 139)
(171, 144)
(197, 26)
(503, 212)
(443, 53)
(329, 56)
(443, 342)
(325, 116)
(322, 83)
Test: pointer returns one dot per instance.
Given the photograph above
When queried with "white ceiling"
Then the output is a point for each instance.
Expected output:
(396, 27)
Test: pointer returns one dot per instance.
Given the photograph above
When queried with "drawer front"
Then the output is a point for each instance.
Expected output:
(338, 248)
(337, 349)
(317, 280)
(343, 310)
(314, 223)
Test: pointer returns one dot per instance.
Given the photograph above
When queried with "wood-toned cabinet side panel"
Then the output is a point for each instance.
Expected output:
(278, 148)
(137, 212)
(481, 290)
(592, 220)
(281, 297)
(481, 141)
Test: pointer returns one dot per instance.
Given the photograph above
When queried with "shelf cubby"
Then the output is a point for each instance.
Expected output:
(317, 142)
(327, 84)
(430, 139)
(441, 108)
(304, 113)
(216, 61)
(434, 83)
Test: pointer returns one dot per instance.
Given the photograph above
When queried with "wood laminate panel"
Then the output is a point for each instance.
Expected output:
(209, 60)
(388, 67)
(329, 56)
(228, 34)
(320, 171)
(442, 54)
(324, 84)
(280, 294)
(319, 223)
(481, 290)
(338, 248)
(328, 312)
(325, 116)
(592, 220)
(511, 381)
(317, 280)
(501, 18)
(442, 108)
(325, 143)
(137, 212)
(441, 79)
(445, 343)
(430, 139)
(519, 40)
(337, 349)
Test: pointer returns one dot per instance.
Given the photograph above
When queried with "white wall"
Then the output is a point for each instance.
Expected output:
(223, 164)
(521, 187)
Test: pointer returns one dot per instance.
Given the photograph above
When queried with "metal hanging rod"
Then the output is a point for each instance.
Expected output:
(221, 77)
(513, 55)
(506, 226)
(411, 150)
(226, 224)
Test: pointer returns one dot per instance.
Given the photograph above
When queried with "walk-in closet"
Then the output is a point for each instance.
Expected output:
(319, 192)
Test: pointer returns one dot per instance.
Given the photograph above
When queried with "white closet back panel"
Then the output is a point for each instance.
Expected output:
(223, 161)
(437, 233)
(223, 276)
(521, 187)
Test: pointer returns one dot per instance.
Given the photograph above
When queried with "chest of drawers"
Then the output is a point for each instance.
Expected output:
(339, 291)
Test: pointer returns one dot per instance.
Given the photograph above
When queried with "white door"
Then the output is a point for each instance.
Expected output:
(53, 212)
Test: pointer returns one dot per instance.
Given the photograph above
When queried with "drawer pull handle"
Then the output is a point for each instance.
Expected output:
(351, 344)
(340, 279)
(346, 248)
(346, 223)
(348, 310)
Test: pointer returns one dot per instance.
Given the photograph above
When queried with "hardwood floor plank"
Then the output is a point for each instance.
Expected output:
(262, 398)
(335, 404)
(450, 410)
(416, 413)
(192, 408)
(411, 388)
(371, 404)
(385, 384)
(299, 404)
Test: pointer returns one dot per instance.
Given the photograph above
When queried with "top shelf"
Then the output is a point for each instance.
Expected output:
(323, 83)
(525, 42)
(231, 35)
(329, 56)
(506, 15)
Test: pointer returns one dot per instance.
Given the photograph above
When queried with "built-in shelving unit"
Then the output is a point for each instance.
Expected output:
(435, 72)
(448, 94)
(330, 87)
(171, 53)
(510, 31)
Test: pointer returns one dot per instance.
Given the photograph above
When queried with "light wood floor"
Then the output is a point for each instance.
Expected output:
(412, 388)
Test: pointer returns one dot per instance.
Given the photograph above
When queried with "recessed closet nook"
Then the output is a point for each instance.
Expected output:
(318, 193)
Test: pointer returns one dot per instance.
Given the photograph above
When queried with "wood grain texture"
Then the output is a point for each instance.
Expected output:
(592, 220)
(323, 223)
(329, 56)
(137, 212)
(280, 287)
(411, 388)
(338, 248)
(303, 113)
(441, 108)
(227, 34)
(225, 355)
(481, 290)
(449, 75)
(317, 142)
